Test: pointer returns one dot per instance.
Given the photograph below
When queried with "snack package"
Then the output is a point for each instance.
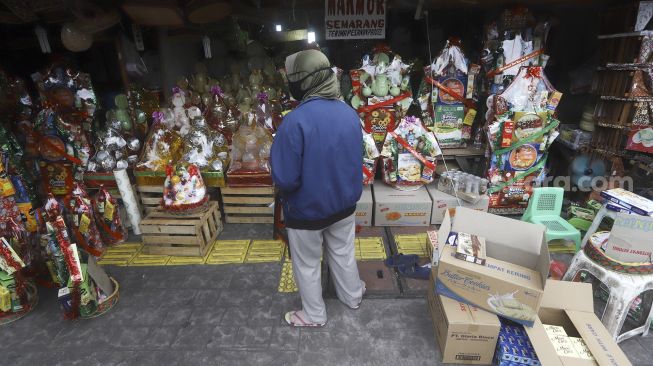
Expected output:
(370, 157)
(82, 221)
(64, 253)
(105, 209)
(409, 154)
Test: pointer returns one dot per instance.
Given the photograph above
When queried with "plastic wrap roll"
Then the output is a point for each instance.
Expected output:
(128, 199)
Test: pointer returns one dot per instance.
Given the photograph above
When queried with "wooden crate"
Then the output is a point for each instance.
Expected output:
(187, 235)
(150, 197)
(248, 204)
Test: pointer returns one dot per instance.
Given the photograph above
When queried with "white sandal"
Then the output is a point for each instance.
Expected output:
(295, 320)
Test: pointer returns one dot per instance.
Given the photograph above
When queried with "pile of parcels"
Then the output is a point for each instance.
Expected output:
(491, 302)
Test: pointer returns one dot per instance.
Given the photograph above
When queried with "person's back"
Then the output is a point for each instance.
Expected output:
(330, 180)
(317, 166)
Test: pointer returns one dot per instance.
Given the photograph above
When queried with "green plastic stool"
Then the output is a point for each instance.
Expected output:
(544, 208)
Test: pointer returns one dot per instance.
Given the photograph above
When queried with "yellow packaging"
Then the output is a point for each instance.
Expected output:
(581, 348)
(5, 299)
(108, 210)
(563, 346)
(84, 221)
(469, 117)
(30, 221)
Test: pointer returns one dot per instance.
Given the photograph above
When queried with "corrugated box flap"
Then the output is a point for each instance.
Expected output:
(598, 340)
(522, 236)
(576, 295)
(482, 317)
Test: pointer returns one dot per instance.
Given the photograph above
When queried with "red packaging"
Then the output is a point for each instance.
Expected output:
(107, 218)
(506, 134)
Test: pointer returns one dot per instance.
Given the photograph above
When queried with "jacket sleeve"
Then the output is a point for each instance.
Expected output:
(286, 156)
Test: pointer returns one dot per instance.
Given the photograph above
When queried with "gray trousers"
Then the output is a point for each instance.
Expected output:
(306, 248)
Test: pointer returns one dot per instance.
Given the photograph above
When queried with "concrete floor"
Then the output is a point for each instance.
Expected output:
(228, 315)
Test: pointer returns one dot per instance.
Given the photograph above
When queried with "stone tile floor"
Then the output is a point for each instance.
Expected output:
(228, 315)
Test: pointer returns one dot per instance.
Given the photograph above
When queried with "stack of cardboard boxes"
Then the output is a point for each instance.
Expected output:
(466, 300)
(382, 205)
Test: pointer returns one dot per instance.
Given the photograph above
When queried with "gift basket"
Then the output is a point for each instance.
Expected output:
(250, 154)
(409, 155)
(18, 296)
(516, 39)
(184, 191)
(446, 96)
(381, 91)
(521, 128)
(84, 288)
(163, 144)
(62, 127)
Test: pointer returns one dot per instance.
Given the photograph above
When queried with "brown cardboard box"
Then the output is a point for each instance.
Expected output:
(511, 283)
(464, 333)
(445, 202)
(570, 305)
(365, 207)
(393, 207)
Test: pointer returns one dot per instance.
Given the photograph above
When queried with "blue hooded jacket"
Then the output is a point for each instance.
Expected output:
(317, 159)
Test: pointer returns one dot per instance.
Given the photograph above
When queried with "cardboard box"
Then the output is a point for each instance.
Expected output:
(464, 333)
(511, 283)
(445, 202)
(630, 239)
(570, 305)
(393, 207)
(365, 207)
(629, 200)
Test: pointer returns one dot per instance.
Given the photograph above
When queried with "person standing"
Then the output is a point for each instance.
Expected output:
(316, 160)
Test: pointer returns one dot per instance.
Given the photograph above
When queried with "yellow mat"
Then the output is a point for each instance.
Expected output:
(412, 244)
(121, 254)
(262, 251)
(287, 278)
(370, 249)
(228, 251)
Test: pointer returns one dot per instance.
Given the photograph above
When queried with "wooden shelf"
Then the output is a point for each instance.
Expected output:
(625, 67)
(626, 99)
(628, 34)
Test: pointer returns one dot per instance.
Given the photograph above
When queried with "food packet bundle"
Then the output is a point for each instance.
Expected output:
(370, 157)
(107, 218)
(82, 221)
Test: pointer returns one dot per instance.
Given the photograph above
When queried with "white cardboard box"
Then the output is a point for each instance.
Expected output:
(444, 201)
(393, 207)
(365, 207)
(631, 239)
(511, 283)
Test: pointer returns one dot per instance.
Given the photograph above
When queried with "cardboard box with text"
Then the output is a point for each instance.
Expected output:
(445, 202)
(393, 207)
(512, 281)
(570, 305)
(464, 333)
(365, 207)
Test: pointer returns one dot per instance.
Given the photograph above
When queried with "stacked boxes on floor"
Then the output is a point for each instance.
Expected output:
(506, 312)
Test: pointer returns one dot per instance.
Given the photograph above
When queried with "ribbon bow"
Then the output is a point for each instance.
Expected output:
(157, 116)
(262, 97)
(216, 90)
(534, 71)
